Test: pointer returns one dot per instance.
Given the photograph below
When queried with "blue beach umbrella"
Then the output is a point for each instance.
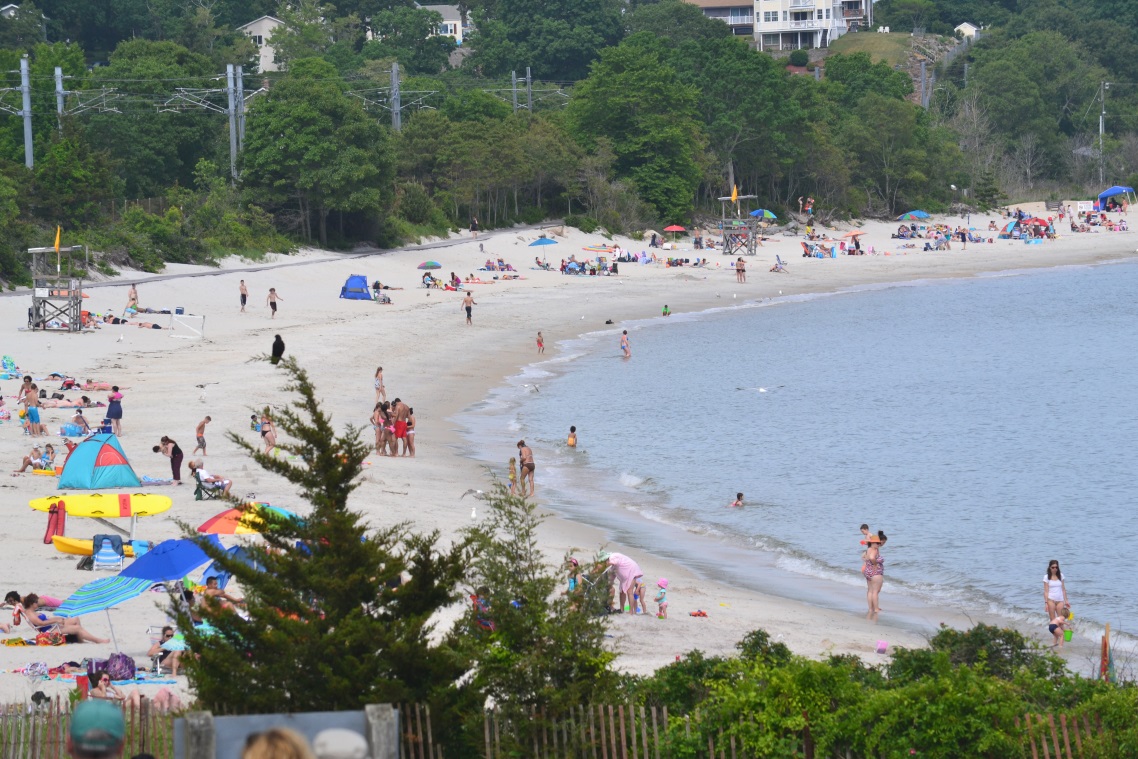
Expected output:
(170, 560)
(763, 213)
(542, 241)
(102, 595)
(913, 216)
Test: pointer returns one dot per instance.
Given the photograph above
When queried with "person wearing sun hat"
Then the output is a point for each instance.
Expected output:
(96, 732)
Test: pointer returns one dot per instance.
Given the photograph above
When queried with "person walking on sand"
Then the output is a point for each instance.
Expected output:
(199, 432)
(740, 271)
(525, 455)
(874, 572)
(131, 298)
(474, 227)
(271, 301)
(540, 343)
(625, 346)
(380, 390)
(469, 304)
(244, 295)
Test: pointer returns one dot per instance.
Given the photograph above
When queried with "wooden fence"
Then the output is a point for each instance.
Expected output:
(1049, 739)
(40, 732)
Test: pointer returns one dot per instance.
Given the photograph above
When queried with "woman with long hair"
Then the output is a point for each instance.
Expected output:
(1054, 590)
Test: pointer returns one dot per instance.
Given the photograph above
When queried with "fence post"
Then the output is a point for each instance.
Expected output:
(200, 736)
(382, 729)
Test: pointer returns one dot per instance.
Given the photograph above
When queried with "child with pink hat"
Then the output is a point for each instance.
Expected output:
(662, 598)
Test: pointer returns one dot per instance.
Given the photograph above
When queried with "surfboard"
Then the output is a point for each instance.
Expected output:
(106, 505)
(81, 547)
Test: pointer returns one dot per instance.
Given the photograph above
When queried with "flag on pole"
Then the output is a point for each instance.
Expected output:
(58, 229)
(734, 199)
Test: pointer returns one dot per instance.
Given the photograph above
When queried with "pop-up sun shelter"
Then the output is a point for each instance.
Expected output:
(98, 463)
(1116, 190)
(356, 288)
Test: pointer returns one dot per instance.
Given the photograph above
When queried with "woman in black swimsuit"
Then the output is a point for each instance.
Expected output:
(268, 434)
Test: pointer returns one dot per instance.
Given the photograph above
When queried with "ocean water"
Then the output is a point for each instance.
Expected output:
(987, 425)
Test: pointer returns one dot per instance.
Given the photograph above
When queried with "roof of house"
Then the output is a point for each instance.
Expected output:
(721, 4)
(262, 18)
(967, 23)
(9, 6)
(448, 12)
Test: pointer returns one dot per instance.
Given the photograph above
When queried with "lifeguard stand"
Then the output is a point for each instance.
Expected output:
(740, 231)
(55, 297)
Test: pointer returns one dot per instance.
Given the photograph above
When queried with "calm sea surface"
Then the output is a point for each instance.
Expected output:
(987, 425)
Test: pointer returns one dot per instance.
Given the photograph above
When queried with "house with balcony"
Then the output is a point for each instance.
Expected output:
(803, 24)
(737, 14)
(261, 31)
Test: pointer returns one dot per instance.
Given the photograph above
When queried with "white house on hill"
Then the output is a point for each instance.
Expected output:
(261, 31)
(451, 25)
(967, 30)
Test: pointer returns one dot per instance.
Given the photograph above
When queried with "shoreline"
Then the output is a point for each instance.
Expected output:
(444, 368)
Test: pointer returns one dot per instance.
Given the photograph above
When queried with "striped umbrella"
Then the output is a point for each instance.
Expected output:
(102, 595)
(247, 521)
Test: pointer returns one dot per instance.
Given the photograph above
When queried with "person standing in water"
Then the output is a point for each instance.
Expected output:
(625, 346)
(540, 343)
(526, 456)
(572, 440)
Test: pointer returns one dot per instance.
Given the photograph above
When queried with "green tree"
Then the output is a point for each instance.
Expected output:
(23, 29)
(557, 38)
(408, 36)
(326, 629)
(72, 180)
(856, 75)
(153, 149)
(310, 144)
(310, 29)
(545, 651)
(676, 21)
(637, 101)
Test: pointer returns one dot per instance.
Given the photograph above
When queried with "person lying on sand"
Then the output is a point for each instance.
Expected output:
(93, 385)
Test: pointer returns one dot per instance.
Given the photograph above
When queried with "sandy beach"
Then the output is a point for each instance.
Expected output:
(439, 366)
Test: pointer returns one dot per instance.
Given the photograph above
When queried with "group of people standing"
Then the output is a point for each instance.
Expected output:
(394, 423)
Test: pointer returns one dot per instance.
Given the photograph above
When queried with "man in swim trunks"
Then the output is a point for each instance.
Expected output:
(468, 303)
(271, 301)
(200, 433)
(625, 346)
(244, 295)
(525, 456)
(31, 401)
(399, 413)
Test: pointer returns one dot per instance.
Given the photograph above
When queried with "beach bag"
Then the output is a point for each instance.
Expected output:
(49, 639)
(121, 667)
(94, 665)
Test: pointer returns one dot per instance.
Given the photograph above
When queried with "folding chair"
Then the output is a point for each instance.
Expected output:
(779, 265)
(201, 492)
(109, 554)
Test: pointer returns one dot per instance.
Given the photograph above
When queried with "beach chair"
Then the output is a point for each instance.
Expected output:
(201, 492)
(109, 554)
(779, 266)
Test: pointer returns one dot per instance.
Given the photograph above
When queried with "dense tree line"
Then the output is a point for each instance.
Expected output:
(658, 112)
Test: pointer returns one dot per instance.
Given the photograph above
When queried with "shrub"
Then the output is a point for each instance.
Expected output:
(799, 58)
(586, 224)
(414, 204)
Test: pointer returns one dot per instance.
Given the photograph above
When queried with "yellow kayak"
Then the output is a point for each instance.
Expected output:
(80, 547)
(106, 505)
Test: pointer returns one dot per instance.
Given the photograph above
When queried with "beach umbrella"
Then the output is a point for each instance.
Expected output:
(539, 242)
(854, 233)
(246, 521)
(430, 265)
(763, 213)
(102, 595)
(913, 216)
(674, 228)
(170, 560)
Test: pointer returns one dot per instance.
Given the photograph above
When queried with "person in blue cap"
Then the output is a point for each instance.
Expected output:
(97, 730)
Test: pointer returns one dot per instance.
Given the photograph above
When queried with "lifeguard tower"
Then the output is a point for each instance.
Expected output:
(740, 231)
(57, 299)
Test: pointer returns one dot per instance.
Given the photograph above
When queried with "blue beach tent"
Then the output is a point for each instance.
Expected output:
(1112, 191)
(98, 463)
(356, 288)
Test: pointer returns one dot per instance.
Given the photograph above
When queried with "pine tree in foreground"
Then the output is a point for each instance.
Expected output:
(326, 630)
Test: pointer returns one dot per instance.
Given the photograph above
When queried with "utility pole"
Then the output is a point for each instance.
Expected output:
(59, 93)
(26, 112)
(1101, 128)
(231, 91)
(514, 89)
(529, 90)
(240, 108)
(396, 105)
